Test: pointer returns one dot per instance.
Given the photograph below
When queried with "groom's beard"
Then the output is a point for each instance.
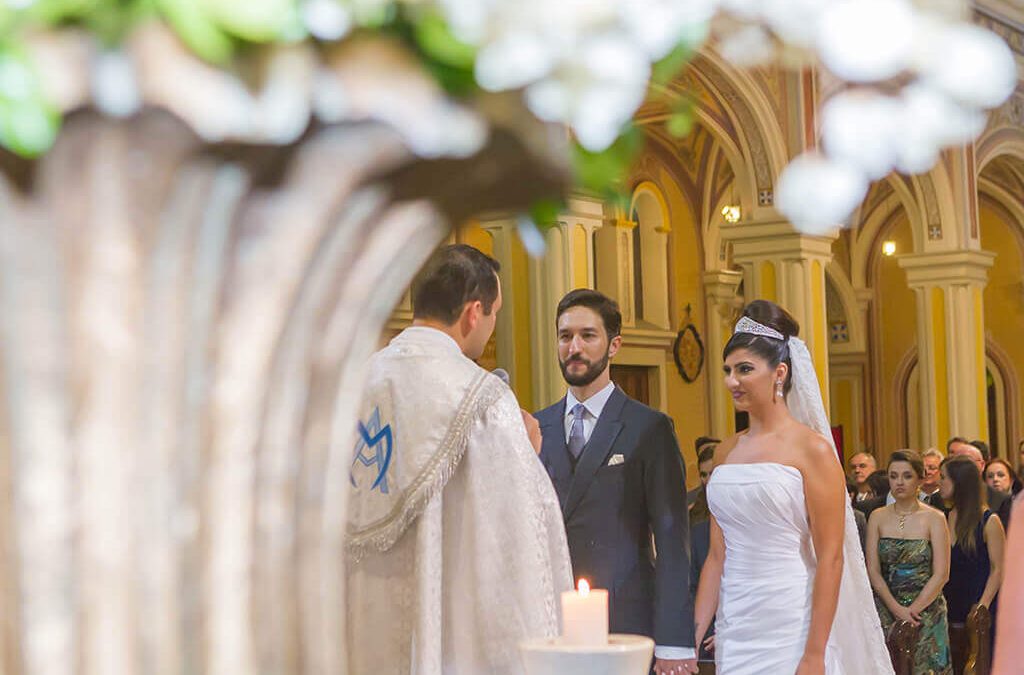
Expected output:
(592, 372)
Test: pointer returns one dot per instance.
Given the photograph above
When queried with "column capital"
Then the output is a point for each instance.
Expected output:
(720, 287)
(775, 239)
(946, 268)
(624, 223)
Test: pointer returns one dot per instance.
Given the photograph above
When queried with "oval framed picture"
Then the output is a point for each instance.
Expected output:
(688, 352)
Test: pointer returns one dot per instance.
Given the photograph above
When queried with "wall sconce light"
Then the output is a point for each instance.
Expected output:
(889, 248)
(731, 213)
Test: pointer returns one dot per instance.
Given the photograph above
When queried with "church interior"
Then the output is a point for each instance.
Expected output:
(913, 310)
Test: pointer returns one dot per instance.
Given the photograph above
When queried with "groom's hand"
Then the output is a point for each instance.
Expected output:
(675, 666)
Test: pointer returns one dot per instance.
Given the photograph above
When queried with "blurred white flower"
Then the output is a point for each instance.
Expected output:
(867, 40)
(330, 103)
(595, 90)
(743, 9)
(533, 241)
(858, 127)
(795, 21)
(282, 106)
(658, 25)
(514, 60)
(929, 122)
(817, 194)
(749, 46)
(114, 89)
(326, 19)
(976, 66)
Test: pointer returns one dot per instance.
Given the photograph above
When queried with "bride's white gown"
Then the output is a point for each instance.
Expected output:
(764, 606)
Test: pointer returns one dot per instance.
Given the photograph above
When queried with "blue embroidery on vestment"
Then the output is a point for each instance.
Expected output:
(374, 448)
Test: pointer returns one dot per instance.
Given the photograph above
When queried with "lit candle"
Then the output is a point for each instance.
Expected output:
(585, 616)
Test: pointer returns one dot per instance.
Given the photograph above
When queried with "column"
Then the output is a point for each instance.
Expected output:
(568, 264)
(616, 278)
(788, 267)
(503, 233)
(721, 289)
(951, 342)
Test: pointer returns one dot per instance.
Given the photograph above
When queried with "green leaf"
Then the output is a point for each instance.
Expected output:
(435, 38)
(28, 128)
(680, 123)
(197, 30)
(665, 70)
(544, 213)
(600, 171)
(255, 20)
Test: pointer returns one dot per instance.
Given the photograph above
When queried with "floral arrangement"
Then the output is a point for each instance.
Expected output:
(916, 77)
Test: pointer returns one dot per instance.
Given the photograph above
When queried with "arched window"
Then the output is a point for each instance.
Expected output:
(650, 243)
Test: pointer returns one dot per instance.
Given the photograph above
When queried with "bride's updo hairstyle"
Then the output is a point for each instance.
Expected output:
(770, 349)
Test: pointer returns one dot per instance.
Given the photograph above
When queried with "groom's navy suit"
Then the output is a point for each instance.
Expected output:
(612, 510)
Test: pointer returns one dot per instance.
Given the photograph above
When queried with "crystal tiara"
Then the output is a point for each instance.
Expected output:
(748, 325)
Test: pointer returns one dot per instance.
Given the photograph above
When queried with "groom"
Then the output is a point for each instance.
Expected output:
(616, 467)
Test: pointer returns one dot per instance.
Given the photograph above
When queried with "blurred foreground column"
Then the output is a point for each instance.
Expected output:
(183, 328)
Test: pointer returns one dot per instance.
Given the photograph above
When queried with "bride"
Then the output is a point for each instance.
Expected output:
(785, 568)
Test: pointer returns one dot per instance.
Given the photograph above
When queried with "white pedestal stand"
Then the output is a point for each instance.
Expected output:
(623, 655)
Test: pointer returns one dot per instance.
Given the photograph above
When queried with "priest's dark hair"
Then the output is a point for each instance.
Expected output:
(453, 276)
(770, 349)
(597, 301)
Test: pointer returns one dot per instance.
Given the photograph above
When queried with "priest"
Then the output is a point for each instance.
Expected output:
(457, 550)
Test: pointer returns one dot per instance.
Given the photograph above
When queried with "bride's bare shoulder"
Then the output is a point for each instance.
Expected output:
(725, 447)
(812, 448)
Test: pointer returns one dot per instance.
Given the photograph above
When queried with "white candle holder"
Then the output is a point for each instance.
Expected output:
(623, 655)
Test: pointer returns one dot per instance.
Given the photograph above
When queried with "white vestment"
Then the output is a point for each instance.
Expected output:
(456, 542)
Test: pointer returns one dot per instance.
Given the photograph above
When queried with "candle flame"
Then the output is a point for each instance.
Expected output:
(583, 587)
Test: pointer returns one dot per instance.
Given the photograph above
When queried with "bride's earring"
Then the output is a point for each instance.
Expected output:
(778, 389)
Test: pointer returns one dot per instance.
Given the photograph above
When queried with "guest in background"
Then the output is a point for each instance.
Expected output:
(1001, 477)
(1020, 457)
(704, 447)
(976, 560)
(908, 564)
(861, 466)
(983, 448)
(997, 501)
(932, 458)
(858, 516)
(878, 487)
(700, 532)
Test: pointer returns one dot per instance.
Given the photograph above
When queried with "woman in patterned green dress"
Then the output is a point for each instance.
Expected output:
(908, 563)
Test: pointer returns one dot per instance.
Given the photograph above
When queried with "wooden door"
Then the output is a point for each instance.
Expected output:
(634, 381)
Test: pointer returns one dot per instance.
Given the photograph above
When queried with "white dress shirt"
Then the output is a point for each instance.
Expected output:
(594, 406)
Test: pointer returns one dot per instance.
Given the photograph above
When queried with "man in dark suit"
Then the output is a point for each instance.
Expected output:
(616, 467)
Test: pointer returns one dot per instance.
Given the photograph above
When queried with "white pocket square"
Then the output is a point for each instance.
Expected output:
(616, 459)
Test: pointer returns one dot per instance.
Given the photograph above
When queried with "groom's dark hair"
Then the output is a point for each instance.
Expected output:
(597, 301)
(454, 275)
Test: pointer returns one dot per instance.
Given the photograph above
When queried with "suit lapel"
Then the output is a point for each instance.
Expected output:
(596, 451)
(553, 452)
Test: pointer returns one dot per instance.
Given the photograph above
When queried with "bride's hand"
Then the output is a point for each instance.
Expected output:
(811, 665)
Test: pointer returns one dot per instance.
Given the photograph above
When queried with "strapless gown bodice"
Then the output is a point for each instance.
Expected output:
(764, 606)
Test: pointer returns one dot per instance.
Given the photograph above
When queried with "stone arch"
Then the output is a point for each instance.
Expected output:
(755, 123)
(876, 218)
(652, 231)
(729, 105)
(1008, 425)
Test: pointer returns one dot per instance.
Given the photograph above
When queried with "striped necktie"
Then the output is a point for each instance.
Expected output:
(576, 440)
